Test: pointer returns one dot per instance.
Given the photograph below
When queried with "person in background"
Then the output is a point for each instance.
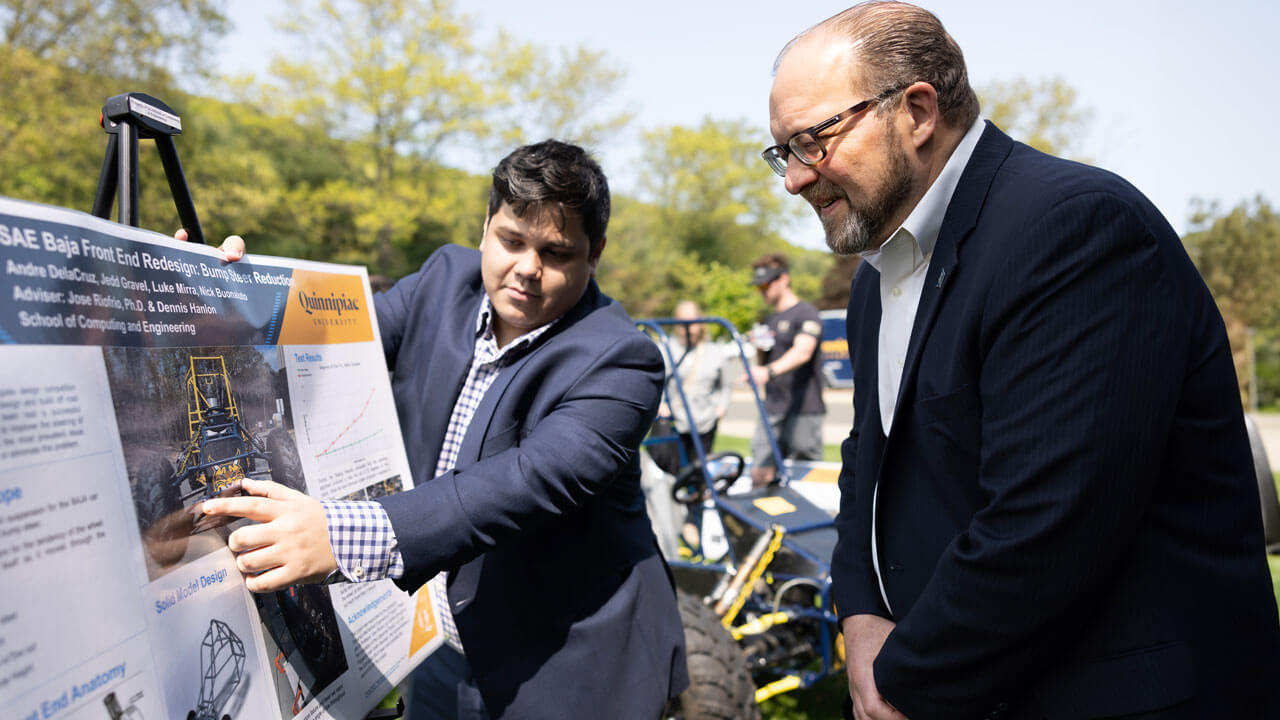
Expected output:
(789, 370)
(704, 370)
(1047, 499)
(705, 373)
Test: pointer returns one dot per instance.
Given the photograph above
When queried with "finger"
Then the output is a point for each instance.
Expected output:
(269, 489)
(180, 235)
(258, 560)
(258, 509)
(269, 581)
(232, 248)
(282, 576)
(251, 537)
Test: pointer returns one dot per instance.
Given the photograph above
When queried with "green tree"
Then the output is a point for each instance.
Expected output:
(541, 94)
(1041, 113)
(714, 196)
(397, 78)
(50, 143)
(1238, 255)
(132, 39)
(407, 85)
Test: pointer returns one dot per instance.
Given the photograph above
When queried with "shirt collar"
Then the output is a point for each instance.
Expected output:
(487, 342)
(925, 221)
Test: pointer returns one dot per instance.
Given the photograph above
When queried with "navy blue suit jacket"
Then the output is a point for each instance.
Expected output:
(1068, 524)
(560, 596)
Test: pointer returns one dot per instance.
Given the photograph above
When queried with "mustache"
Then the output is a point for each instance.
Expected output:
(822, 192)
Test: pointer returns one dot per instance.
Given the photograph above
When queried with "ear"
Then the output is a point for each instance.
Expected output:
(593, 259)
(921, 103)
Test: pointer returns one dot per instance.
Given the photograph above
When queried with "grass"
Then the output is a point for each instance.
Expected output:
(742, 446)
(1274, 560)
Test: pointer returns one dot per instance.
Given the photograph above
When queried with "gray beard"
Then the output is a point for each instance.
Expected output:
(848, 236)
(862, 226)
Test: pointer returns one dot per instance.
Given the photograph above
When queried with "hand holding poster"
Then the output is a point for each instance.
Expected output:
(138, 377)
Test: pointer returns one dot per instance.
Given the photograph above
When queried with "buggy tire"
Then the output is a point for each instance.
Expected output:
(720, 688)
(155, 494)
(286, 467)
(164, 527)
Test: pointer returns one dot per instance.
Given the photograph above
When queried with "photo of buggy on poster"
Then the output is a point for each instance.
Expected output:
(190, 433)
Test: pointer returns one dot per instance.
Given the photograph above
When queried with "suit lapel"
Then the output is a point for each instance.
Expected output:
(961, 217)
(448, 367)
(478, 429)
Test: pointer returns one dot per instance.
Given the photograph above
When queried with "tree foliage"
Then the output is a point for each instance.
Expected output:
(341, 156)
(132, 39)
(714, 195)
(1238, 255)
(540, 94)
(1041, 113)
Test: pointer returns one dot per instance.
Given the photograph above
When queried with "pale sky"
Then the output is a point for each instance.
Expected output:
(1182, 92)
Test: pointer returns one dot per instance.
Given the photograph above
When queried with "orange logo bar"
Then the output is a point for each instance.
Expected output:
(326, 308)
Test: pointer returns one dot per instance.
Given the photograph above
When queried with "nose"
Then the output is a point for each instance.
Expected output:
(799, 176)
(529, 265)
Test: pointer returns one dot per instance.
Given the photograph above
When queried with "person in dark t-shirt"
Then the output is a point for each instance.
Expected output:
(788, 368)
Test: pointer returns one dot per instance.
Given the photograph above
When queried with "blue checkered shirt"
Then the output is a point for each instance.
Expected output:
(360, 533)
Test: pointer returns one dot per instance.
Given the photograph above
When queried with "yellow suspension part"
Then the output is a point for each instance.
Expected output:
(777, 687)
(756, 569)
(759, 625)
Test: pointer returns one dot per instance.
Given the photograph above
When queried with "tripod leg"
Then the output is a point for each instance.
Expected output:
(107, 180)
(128, 174)
(178, 187)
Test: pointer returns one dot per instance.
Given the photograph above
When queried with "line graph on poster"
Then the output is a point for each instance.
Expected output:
(346, 430)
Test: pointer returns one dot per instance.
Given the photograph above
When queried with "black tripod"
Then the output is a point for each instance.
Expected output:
(126, 118)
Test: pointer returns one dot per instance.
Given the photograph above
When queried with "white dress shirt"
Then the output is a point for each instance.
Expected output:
(903, 262)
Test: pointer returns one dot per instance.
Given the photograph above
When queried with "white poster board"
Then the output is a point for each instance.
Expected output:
(138, 376)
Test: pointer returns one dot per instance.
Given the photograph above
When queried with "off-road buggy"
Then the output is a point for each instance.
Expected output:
(758, 620)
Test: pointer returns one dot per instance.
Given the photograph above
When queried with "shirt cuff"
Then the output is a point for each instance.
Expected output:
(363, 541)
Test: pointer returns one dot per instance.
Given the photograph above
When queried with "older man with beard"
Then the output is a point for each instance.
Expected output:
(1047, 501)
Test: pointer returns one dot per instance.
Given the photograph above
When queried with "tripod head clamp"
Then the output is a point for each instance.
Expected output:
(126, 119)
(148, 114)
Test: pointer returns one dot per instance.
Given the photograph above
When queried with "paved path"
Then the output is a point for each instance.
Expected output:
(742, 418)
(1269, 428)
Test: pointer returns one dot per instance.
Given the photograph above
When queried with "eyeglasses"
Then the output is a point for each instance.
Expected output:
(806, 145)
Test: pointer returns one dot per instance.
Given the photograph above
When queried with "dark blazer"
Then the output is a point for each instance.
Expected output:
(560, 596)
(1068, 525)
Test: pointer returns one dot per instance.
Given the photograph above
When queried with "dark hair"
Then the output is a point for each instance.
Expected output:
(895, 44)
(553, 174)
(772, 260)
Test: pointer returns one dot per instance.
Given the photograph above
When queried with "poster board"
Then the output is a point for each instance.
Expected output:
(138, 376)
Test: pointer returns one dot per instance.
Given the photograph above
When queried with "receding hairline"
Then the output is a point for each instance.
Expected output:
(837, 43)
(891, 44)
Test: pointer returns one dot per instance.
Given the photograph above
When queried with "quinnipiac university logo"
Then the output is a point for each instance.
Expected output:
(327, 310)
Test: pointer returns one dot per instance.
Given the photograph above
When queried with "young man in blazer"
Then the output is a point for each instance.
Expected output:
(1047, 502)
(523, 394)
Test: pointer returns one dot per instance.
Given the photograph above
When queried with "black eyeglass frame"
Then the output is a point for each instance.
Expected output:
(776, 155)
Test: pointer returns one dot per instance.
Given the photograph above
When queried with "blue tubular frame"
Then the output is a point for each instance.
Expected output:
(656, 326)
(823, 615)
